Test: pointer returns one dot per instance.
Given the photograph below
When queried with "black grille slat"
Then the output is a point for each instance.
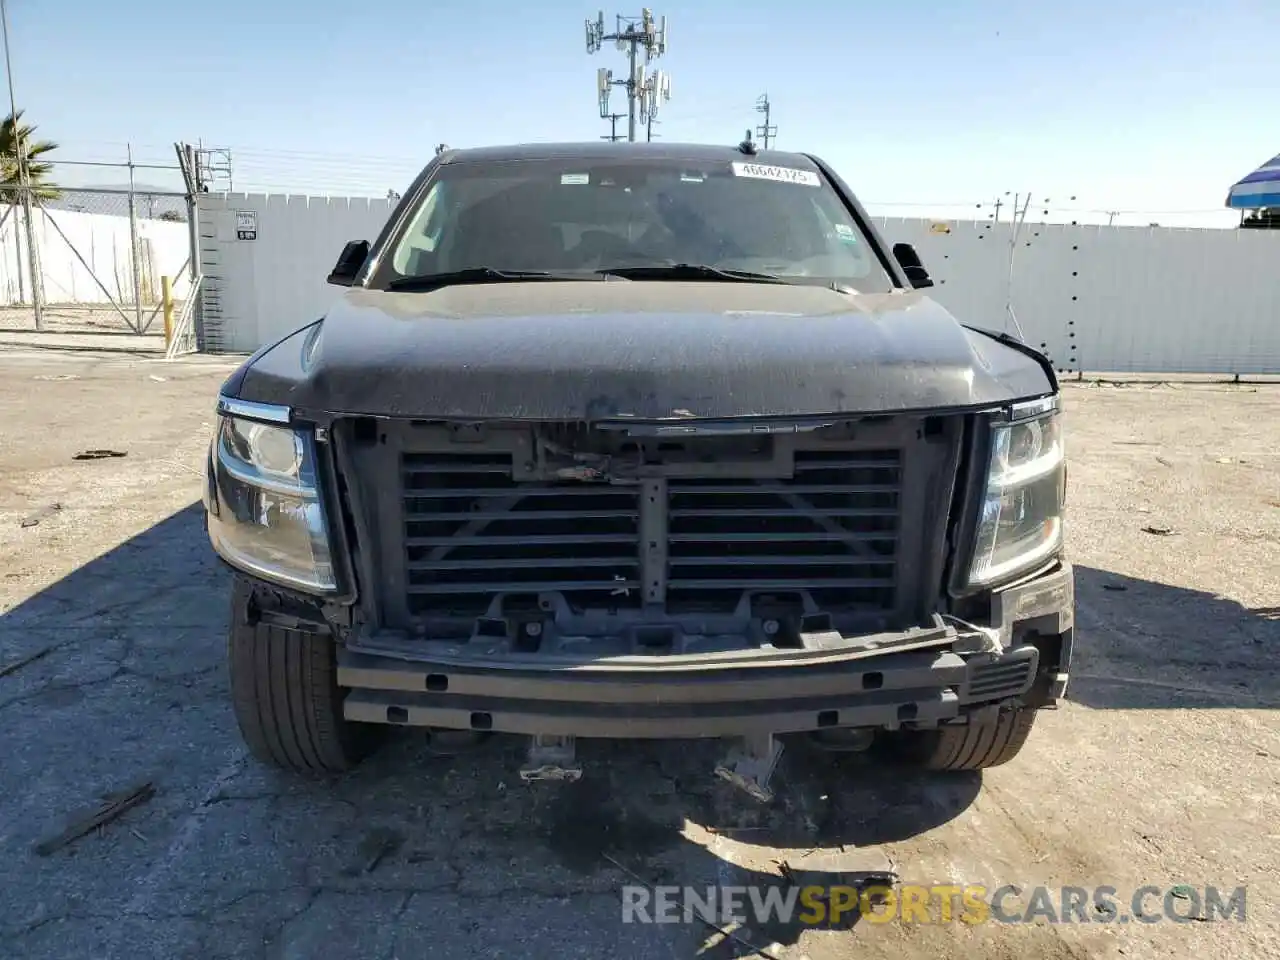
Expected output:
(515, 563)
(468, 515)
(471, 532)
(831, 530)
(509, 585)
(763, 535)
(776, 561)
(573, 539)
(768, 583)
(468, 493)
(774, 512)
(773, 487)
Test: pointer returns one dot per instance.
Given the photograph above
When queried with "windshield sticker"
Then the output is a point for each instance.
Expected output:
(846, 233)
(759, 171)
(692, 177)
(570, 179)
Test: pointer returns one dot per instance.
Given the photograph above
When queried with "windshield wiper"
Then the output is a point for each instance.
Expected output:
(689, 271)
(430, 281)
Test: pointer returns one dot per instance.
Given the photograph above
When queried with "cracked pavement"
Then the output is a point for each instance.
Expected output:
(1162, 769)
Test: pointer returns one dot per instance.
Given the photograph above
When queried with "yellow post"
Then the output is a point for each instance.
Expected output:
(166, 293)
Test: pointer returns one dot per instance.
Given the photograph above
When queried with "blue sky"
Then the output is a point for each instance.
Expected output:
(935, 105)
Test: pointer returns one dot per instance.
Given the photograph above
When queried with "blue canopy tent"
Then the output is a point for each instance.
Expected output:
(1259, 189)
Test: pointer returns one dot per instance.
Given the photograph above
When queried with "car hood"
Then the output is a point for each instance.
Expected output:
(653, 350)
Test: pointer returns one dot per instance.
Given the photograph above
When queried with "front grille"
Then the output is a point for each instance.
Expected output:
(472, 532)
(831, 530)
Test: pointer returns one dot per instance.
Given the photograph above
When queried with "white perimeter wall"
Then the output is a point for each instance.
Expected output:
(1098, 299)
(102, 242)
(259, 290)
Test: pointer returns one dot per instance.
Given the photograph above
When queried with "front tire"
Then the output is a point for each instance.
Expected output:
(977, 745)
(286, 697)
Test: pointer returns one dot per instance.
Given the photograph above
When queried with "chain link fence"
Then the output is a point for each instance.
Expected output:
(97, 259)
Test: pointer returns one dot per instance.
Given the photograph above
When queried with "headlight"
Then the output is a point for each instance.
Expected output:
(264, 510)
(1020, 524)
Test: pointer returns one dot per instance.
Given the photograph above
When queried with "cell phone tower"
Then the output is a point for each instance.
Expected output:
(766, 130)
(633, 35)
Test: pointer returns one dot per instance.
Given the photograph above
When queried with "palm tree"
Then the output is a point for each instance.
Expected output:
(12, 132)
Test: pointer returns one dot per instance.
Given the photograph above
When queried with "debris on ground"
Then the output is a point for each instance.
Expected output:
(1116, 587)
(740, 936)
(117, 804)
(21, 662)
(159, 379)
(55, 376)
(1158, 531)
(1164, 461)
(98, 454)
(376, 846)
(33, 519)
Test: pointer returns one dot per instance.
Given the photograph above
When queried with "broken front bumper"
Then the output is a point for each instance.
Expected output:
(918, 679)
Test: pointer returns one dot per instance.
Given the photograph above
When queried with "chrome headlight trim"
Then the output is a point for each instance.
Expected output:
(250, 410)
(268, 521)
(1023, 496)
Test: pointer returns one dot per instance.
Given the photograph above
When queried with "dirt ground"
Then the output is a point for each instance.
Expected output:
(1162, 768)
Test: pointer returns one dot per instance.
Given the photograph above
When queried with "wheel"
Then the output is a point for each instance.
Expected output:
(286, 697)
(975, 746)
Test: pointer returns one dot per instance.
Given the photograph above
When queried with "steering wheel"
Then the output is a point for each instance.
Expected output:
(603, 247)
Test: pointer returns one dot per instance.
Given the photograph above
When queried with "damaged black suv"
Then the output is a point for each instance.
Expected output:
(641, 440)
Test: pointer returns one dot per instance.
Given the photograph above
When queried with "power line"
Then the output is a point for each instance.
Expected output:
(644, 93)
(765, 131)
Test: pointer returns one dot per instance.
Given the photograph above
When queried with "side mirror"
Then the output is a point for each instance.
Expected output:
(349, 263)
(909, 260)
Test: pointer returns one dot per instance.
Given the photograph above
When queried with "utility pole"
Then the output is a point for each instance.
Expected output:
(24, 179)
(613, 136)
(632, 34)
(996, 205)
(765, 132)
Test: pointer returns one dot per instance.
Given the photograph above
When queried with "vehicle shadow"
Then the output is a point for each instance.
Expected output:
(649, 818)
(116, 675)
(1143, 645)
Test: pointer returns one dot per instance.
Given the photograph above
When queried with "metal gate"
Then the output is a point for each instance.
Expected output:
(98, 260)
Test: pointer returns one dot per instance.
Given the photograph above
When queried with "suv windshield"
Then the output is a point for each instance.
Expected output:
(569, 217)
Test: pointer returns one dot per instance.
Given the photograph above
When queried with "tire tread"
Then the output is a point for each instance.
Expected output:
(978, 746)
(286, 697)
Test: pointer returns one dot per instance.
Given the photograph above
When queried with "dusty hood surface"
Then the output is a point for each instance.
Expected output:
(602, 349)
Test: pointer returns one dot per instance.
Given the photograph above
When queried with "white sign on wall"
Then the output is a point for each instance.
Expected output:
(246, 225)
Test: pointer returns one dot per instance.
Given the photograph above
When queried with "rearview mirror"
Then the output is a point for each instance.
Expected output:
(349, 263)
(911, 265)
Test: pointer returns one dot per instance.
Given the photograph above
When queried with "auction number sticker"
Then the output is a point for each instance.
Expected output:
(760, 171)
